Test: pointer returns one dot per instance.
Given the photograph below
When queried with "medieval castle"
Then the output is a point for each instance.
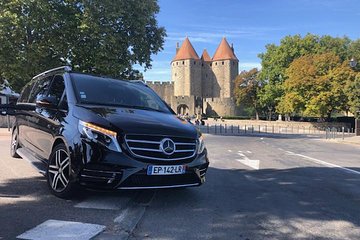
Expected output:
(201, 85)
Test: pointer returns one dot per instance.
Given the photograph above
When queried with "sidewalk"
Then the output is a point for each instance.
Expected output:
(4, 132)
(350, 140)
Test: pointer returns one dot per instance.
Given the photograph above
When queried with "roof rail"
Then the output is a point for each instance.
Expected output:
(139, 81)
(62, 68)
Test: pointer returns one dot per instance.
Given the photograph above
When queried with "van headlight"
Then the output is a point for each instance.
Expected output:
(201, 145)
(100, 135)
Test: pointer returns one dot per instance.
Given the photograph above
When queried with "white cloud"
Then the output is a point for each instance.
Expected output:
(249, 65)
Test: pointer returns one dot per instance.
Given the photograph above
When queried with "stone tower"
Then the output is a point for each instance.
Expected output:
(225, 68)
(186, 71)
(207, 76)
(201, 85)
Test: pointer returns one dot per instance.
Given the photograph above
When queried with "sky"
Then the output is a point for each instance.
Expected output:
(249, 25)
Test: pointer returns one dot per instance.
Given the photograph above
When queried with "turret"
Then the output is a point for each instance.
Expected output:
(225, 67)
(186, 71)
(207, 78)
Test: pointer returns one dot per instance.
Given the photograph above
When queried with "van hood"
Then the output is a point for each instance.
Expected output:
(136, 121)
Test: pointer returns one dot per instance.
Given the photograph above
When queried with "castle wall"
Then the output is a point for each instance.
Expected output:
(186, 75)
(219, 106)
(164, 89)
(208, 82)
(225, 74)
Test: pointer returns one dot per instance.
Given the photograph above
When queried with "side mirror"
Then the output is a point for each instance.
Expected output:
(47, 102)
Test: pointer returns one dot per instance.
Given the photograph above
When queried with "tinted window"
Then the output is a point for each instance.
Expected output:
(40, 88)
(24, 97)
(105, 91)
(57, 88)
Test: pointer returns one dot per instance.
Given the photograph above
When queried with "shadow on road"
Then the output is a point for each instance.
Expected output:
(297, 203)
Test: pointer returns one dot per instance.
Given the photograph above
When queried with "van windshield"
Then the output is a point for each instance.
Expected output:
(110, 92)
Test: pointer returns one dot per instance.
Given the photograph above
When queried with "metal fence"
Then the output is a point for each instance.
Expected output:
(225, 129)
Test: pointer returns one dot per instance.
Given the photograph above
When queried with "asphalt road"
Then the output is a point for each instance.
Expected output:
(257, 188)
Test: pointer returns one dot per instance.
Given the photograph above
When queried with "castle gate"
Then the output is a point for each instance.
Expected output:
(182, 109)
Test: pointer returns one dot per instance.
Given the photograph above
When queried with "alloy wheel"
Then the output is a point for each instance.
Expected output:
(59, 170)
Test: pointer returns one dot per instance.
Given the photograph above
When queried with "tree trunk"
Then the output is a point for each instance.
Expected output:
(329, 116)
(256, 115)
(270, 115)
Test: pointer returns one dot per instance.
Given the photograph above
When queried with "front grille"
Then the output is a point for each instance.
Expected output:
(148, 147)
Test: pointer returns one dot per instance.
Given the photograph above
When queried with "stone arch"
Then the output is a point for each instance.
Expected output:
(182, 109)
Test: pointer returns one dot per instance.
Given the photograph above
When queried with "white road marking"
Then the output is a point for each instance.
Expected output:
(280, 149)
(104, 202)
(240, 151)
(324, 163)
(229, 150)
(255, 164)
(54, 229)
(248, 151)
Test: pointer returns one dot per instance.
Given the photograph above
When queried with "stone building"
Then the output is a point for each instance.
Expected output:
(201, 85)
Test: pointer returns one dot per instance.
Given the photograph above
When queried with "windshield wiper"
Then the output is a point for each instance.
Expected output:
(123, 105)
(143, 108)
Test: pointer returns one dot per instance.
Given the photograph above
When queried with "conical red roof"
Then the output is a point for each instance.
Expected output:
(186, 51)
(224, 52)
(205, 56)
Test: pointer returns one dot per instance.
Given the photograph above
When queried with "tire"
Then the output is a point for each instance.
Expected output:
(58, 173)
(14, 143)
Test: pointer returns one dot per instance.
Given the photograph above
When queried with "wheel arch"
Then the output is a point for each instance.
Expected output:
(60, 140)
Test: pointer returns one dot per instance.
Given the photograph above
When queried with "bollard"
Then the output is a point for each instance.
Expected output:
(259, 128)
(225, 130)
(343, 132)
(232, 129)
(215, 129)
(252, 128)
(220, 128)
(245, 129)
(273, 129)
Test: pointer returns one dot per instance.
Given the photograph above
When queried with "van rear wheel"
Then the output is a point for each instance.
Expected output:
(14, 143)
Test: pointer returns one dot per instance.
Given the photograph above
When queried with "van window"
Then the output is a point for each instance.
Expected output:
(57, 88)
(40, 88)
(24, 97)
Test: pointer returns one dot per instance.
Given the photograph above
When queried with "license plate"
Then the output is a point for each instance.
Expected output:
(166, 170)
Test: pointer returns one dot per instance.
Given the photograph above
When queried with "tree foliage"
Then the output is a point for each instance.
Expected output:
(95, 36)
(247, 86)
(353, 93)
(278, 60)
(315, 85)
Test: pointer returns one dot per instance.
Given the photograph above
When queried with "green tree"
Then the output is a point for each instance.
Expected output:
(269, 96)
(277, 58)
(315, 86)
(95, 36)
(353, 93)
(247, 86)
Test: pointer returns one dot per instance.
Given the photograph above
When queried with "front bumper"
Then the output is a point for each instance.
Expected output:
(104, 169)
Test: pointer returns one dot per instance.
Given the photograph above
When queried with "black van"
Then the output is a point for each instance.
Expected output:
(84, 130)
